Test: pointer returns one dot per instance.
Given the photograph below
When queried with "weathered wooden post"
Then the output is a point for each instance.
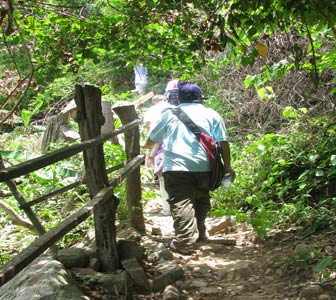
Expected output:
(128, 114)
(90, 119)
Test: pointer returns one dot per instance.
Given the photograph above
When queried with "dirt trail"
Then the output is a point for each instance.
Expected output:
(251, 269)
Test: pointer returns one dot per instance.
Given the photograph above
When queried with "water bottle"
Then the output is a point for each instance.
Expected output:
(226, 181)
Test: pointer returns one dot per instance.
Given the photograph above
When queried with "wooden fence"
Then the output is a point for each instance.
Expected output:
(104, 203)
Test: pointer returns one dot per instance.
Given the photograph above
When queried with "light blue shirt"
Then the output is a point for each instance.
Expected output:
(182, 151)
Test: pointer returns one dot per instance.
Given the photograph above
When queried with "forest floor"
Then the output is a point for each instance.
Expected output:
(279, 267)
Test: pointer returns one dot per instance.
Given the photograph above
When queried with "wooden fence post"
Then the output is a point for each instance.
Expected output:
(127, 114)
(90, 119)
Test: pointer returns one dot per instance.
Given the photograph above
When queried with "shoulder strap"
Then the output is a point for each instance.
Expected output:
(184, 118)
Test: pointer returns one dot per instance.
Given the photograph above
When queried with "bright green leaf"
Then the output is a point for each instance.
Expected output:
(319, 173)
(323, 263)
(333, 160)
(314, 157)
(290, 112)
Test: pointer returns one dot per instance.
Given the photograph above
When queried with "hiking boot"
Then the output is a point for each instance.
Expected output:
(185, 251)
(202, 237)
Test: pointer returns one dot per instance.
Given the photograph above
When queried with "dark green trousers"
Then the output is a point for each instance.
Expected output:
(189, 202)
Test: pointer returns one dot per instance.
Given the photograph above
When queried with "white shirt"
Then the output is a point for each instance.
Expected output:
(153, 114)
(141, 75)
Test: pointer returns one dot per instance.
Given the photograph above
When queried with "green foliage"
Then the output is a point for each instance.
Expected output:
(301, 260)
(120, 193)
(85, 279)
(114, 154)
(278, 71)
(286, 178)
(79, 234)
(46, 180)
(324, 267)
(309, 259)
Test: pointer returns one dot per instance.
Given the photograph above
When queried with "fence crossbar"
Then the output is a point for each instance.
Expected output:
(10, 269)
(55, 156)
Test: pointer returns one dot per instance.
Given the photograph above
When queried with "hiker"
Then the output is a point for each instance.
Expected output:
(140, 79)
(155, 154)
(186, 169)
(171, 90)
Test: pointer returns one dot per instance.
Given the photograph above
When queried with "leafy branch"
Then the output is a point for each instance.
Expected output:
(31, 70)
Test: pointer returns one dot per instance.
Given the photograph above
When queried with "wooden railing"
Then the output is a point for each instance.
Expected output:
(104, 203)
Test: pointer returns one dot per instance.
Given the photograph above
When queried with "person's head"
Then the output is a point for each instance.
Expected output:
(159, 98)
(189, 92)
(175, 76)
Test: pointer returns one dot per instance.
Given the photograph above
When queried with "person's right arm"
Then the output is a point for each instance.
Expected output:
(148, 144)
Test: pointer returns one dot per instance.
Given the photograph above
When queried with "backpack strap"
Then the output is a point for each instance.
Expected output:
(184, 118)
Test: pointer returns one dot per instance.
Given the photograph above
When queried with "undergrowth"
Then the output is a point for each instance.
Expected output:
(285, 179)
(22, 145)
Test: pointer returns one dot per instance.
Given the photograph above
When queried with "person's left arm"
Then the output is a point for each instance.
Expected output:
(226, 154)
(221, 136)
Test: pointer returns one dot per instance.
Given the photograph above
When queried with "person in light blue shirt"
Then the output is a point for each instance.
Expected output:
(186, 167)
(183, 152)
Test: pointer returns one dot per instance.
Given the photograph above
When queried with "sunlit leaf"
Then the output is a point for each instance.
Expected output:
(333, 160)
(304, 110)
(290, 112)
(314, 157)
(248, 80)
(266, 93)
(262, 50)
(319, 173)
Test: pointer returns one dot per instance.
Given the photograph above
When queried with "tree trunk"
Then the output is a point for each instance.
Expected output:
(90, 120)
(133, 182)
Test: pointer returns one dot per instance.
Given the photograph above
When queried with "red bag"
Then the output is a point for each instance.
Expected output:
(212, 147)
(214, 151)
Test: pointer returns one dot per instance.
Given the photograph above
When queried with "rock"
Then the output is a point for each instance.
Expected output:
(235, 270)
(137, 274)
(303, 251)
(73, 257)
(223, 224)
(119, 282)
(212, 290)
(156, 231)
(129, 249)
(95, 264)
(197, 283)
(324, 297)
(44, 278)
(153, 257)
(68, 133)
(169, 272)
(171, 293)
(165, 254)
(128, 233)
(310, 292)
